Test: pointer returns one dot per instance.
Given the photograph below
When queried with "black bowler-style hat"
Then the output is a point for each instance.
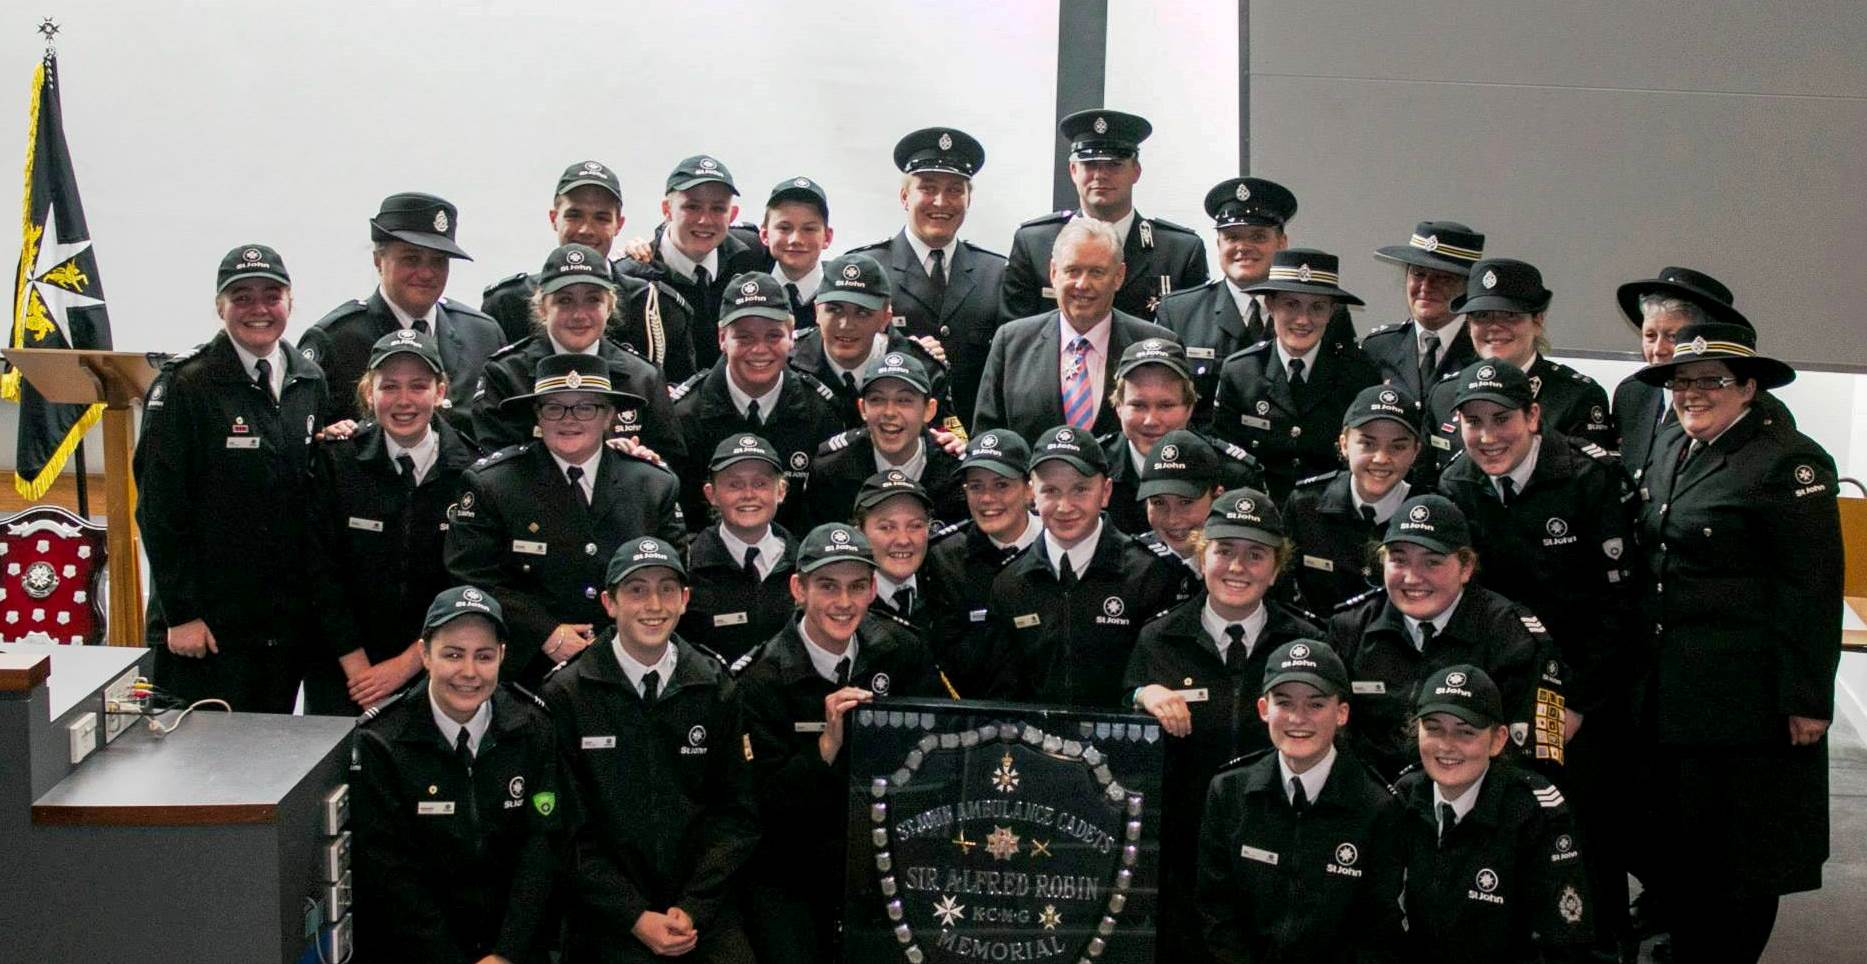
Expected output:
(1245, 514)
(1250, 201)
(1073, 446)
(939, 149)
(451, 604)
(1433, 521)
(800, 189)
(422, 220)
(1502, 284)
(1735, 345)
(1390, 402)
(1164, 352)
(1465, 691)
(735, 449)
(572, 372)
(641, 554)
(1000, 451)
(406, 341)
(591, 174)
(575, 264)
(1439, 245)
(1305, 271)
(1181, 463)
(856, 279)
(251, 261)
(1306, 661)
(1695, 287)
(697, 170)
(1493, 380)
(1104, 135)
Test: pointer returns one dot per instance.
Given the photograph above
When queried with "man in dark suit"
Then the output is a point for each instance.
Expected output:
(1433, 342)
(1104, 164)
(1056, 368)
(413, 235)
(945, 288)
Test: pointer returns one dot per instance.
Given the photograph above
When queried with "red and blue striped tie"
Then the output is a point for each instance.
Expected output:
(1078, 410)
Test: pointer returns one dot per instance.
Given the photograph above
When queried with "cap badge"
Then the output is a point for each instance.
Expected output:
(708, 164)
(593, 167)
(1389, 398)
(1698, 345)
(574, 257)
(1113, 605)
(1299, 651)
(851, 272)
(988, 441)
(1432, 242)
(472, 596)
(839, 536)
(1487, 880)
(1487, 373)
(1264, 407)
(1490, 280)
(946, 141)
(1346, 855)
(1420, 513)
(405, 335)
(1804, 474)
(696, 735)
(749, 289)
(1455, 679)
(1170, 453)
(648, 545)
(896, 475)
(893, 361)
(440, 221)
(1556, 527)
(1243, 192)
(1066, 435)
(250, 254)
(747, 441)
(801, 182)
(1101, 126)
(1247, 507)
(1303, 272)
(800, 460)
(574, 380)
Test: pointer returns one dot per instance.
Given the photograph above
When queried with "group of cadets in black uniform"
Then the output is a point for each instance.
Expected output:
(1265, 535)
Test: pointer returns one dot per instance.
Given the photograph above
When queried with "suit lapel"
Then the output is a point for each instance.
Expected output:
(1047, 356)
(914, 281)
(1225, 315)
(604, 491)
(557, 503)
(959, 280)
(1410, 365)
(1279, 379)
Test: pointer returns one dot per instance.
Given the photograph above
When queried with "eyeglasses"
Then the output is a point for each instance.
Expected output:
(1708, 383)
(554, 411)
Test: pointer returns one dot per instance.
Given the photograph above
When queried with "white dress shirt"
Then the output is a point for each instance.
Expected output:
(635, 669)
(423, 452)
(476, 727)
(824, 661)
(770, 549)
(250, 362)
(683, 265)
(1215, 626)
(1313, 778)
(406, 320)
(1079, 554)
(588, 482)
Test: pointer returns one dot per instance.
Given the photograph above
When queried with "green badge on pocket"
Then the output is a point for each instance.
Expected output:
(544, 802)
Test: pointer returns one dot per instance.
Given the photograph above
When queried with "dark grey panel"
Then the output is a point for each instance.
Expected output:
(1595, 187)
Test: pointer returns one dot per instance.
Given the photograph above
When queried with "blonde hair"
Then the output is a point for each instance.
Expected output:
(538, 307)
(366, 389)
(1283, 551)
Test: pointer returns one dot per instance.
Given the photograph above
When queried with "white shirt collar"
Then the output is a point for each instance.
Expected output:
(1387, 505)
(249, 361)
(1244, 301)
(767, 403)
(1136, 457)
(1098, 335)
(1520, 476)
(923, 252)
(407, 320)
(913, 468)
(1313, 778)
(424, 452)
(634, 669)
(877, 345)
(806, 286)
(557, 348)
(1215, 625)
(1032, 529)
(476, 727)
(769, 549)
(589, 466)
(1466, 801)
(683, 265)
(1124, 225)
(1439, 622)
(1080, 554)
(1309, 358)
(824, 661)
(1445, 334)
(885, 588)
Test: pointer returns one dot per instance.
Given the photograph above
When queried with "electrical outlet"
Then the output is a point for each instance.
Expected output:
(118, 695)
(336, 810)
(83, 732)
(337, 858)
(337, 904)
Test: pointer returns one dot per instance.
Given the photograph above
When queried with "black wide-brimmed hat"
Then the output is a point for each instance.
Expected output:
(1735, 345)
(1502, 284)
(1439, 245)
(573, 372)
(422, 220)
(1306, 271)
(1694, 287)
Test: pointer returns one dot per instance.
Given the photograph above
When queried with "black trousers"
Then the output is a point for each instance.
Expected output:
(1713, 926)
(794, 925)
(251, 678)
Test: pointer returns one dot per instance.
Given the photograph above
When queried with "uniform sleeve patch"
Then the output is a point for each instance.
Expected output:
(1534, 624)
(1549, 797)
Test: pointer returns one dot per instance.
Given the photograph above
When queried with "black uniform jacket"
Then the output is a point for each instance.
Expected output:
(804, 801)
(1395, 350)
(378, 537)
(738, 252)
(1161, 257)
(804, 417)
(1239, 469)
(1334, 545)
(224, 475)
(1318, 886)
(452, 864)
(1207, 322)
(512, 369)
(1563, 549)
(651, 319)
(847, 458)
(664, 815)
(730, 608)
(523, 534)
(340, 344)
(1572, 404)
(1487, 631)
(961, 564)
(1049, 644)
(807, 356)
(1257, 410)
(1506, 883)
(963, 318)
(1022, 388)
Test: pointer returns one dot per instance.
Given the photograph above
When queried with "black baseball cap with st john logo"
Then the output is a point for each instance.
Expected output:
(251, 261)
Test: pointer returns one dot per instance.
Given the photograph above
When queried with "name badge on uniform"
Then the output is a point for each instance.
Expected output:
(1253, 421)
(1050, 292)
(730, 619)
(1261, 856)
(528, 548)
(1369, 687)
(367, 525)
(1442, 443)
(1026, 621)
(1196, 352)
(1318, 562)
(816, 727)
(243, 441)
(599, 742)
(978, 615)
(1194, 695)
(442, 808)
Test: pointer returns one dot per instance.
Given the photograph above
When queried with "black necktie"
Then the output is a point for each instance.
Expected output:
(1429, 360)
(752, 413)
(575, 474)
(1367, 514)
(849, 382)
(420, 324)
(842, 671)
(1427, 632)
(1448, 818)
(1254, 323)
(1506, 489)
(709, 302)
(750, 560)
(1299, 797)
(262, 375)
(904, 600)
(1066, 573)
(1298, 386)
(406, 463)
(937, 275)
(1235, 650)
(463, 750)
(1686, 454)
(791, 295)
(651, 687)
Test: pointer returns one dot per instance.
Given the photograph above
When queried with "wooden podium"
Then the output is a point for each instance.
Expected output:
(118, 379)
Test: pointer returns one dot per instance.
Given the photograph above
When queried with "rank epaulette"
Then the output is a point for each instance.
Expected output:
(981, 250)
(1324, 477)
(1595, 451)
(751, 655)
(710, 653)
(1246, 760)
(376, 712)
(840, 441)
(948, 529)
(1353, 601)
(1532, 623)
(1051, 218)
(871, 245)
(501, 283)
(462, 307)
(677, 392)
(1169, 225)
(1231, 451)
(527, 695)
(1384, 329)
(1160, 549)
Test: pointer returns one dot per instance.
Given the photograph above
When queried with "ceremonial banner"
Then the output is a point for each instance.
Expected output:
(58, 301)
(1001, 832)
